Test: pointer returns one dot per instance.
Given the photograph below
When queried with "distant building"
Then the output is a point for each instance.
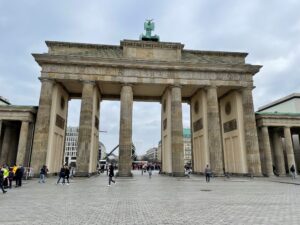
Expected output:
(71, 145)
(187, 153)
(152, 154)
(187, 147)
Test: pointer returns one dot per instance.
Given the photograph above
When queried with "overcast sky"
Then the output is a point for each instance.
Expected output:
(269, 30)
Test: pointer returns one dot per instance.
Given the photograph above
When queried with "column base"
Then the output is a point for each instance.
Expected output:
(84, 174)
(174, 174)
(124, 174)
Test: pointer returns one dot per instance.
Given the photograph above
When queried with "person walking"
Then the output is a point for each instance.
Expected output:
(5, 176)
(67, 174)
(19, 176)
(43, 174)
(10, 177)
(150, 171)
(293, 171)
(111, 175)
(207, 172)
(1, 181)
(61, 175)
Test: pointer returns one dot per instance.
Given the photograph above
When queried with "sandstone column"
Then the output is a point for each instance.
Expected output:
(7, 136)
(251, 141)
(289, 147)
(125, 139)
(85, 129)
(22, 147)
(0, 136)
(214, 131)
(41, 133)
(267, 151)
(176, 132)
(279, 157)
(0, 128)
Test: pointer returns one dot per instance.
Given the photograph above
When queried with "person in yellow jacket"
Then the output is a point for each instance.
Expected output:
(15, 169)
(5, 176)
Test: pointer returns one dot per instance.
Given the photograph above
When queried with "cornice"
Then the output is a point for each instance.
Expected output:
(151, 44)
(79, 45)
(42, 59)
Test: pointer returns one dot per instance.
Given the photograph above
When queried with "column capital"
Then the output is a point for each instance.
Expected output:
(127, 84)
(46, 79)
(209, 87)
(246, 88)
(88, 82)
(175, 86)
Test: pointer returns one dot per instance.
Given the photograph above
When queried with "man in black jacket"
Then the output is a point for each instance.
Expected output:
(111, 174)
(19, 176)
(1, 182)
(62, 174)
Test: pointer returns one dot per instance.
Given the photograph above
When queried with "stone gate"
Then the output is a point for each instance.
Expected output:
(217, 85)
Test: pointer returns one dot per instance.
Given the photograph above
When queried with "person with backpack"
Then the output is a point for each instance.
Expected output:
(67, 174)
(43, 174)
(293, 171)
(207, 173)
(111, 175)
(62, 174)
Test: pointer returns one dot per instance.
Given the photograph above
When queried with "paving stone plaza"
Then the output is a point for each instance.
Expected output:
(160, 200)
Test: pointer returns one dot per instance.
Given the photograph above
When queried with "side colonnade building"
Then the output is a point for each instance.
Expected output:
(278, 125)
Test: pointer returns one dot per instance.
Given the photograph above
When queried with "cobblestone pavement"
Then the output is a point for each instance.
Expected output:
(160, 200)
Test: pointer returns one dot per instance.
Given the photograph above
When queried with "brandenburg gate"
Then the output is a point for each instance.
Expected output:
(217, 85)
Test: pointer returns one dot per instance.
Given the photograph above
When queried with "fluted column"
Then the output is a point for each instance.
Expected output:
(214, 131)
(41, 133)
(7, 137)
(251, 140)
(176, 132)
(289, 147)
(22, 147)
(1, 128)
(125, 139)
(1, 122)
(267, 151)
(85, 129)
(279, 157)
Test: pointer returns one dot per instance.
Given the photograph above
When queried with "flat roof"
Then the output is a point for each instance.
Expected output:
(281, 100)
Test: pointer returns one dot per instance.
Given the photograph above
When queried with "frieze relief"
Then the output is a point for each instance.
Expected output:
(60, 122)
(162, 45)
(198, 125)
(230, 126)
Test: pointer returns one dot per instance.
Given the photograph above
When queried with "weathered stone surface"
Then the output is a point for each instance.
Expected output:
(214, 131)
(267, 151)
(251, 140)
(176, 132)
(41, 134)
(278, 150)
(85, 129)
(22, 147)
(125, 142)
(289, 147)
